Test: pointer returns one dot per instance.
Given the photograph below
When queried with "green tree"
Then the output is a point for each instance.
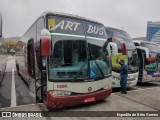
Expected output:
(19, 45)
(8, 45)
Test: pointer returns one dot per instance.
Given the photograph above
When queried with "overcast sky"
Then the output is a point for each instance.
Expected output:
(131, 15)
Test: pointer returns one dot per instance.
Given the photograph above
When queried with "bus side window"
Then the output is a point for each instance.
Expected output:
(40, 25)
(30, 54)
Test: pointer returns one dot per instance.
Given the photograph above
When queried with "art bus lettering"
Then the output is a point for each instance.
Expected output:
(65, 25)
(72, 26)
(95, 29)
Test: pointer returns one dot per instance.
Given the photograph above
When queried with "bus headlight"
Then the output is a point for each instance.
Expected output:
(116, 78)
(107, 86)
(135, 76)
(59, 93)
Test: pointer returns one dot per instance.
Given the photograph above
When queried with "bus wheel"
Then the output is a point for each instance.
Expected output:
(38, 100)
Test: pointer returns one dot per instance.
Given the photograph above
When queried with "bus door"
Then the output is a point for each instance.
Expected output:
(141, 63)
(31, 67)
(143, 54)
(42, 88)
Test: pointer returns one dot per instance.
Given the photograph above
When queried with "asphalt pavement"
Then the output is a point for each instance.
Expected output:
(7, 96)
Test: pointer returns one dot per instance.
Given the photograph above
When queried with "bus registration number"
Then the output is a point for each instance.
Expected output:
(86, 100)
(62, 86)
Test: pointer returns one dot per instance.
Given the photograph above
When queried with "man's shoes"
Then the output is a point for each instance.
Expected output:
(123, 92)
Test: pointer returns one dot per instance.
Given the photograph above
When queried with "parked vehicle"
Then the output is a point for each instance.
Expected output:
(127, 51)
(64, 61)
(149, 55)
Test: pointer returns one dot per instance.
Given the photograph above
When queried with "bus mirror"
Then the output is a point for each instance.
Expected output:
(109, 39)
(114, 48)
(145, 49)
(45, 43)
(123, 45)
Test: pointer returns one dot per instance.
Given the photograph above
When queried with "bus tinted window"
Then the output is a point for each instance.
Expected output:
(122, 35)
(110, 33)
(76, 27)
(67, 59)
(65, 25)
(94, 30)
(118, 44)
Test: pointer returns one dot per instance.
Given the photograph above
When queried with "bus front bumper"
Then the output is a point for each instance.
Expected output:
(132, 79)
(150, 79)
(59, 102)
(116, 83)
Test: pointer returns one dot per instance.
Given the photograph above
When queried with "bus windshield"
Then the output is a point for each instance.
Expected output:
(126, 38)
(76, 54)
(69, 60)
(133, 61)
(121, 35)
(118, 42)
(153, 48)
(131, 50)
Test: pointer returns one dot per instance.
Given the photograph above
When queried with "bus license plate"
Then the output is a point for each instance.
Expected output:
(86, 100)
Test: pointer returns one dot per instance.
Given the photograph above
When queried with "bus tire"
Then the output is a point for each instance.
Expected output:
(38, 100)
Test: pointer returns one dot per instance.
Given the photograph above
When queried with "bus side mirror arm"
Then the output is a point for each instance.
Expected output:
(45, 43)
(114, 48)
(145, 49)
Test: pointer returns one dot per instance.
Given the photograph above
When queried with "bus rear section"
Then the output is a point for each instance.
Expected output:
(73, 62)
(149, 68)
(126, 51)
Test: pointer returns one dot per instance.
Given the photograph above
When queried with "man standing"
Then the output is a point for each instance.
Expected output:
(123, 76)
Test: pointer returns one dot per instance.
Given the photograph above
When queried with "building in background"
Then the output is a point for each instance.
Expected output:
(153, 31)
(156, 37)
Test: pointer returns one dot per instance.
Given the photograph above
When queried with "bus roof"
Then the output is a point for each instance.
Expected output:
(111, 28)
(68, 15)
(123, 35)
(139, 41)
(63, 15)
(115, 29)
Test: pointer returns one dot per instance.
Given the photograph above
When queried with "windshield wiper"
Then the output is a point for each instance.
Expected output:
(98, 66)
(85, 64)
(81, 69)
